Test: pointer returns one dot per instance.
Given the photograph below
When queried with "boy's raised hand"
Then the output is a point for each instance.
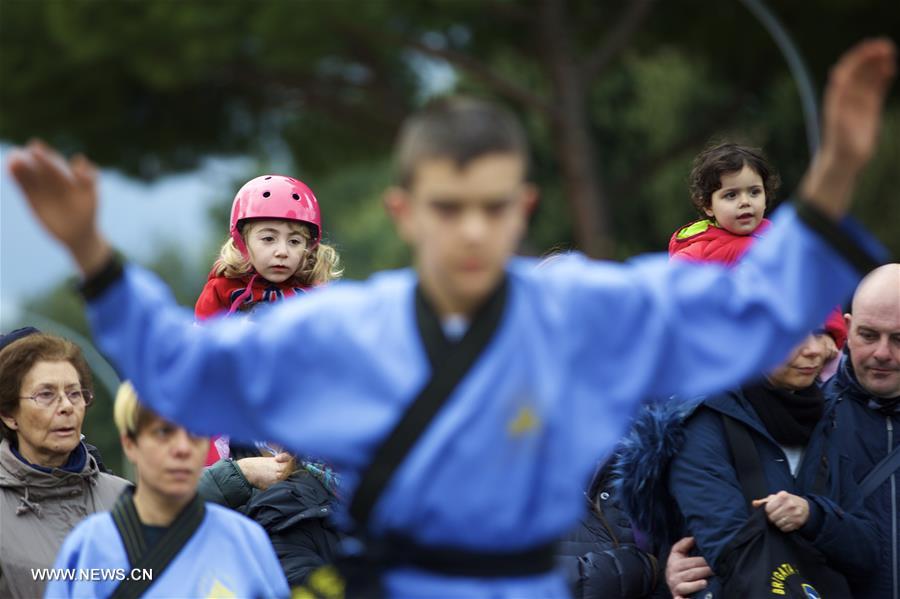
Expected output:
(852, 110)
(853, 101)
(63, 196)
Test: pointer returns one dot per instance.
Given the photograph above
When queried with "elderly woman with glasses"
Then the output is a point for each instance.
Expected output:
(48, 480)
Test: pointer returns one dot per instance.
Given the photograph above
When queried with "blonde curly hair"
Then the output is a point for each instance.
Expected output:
(320, 266)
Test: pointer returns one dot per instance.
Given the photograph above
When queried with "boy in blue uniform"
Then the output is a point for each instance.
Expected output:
(161, 535)
(497, 475)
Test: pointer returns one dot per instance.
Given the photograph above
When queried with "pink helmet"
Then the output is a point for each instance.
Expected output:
(274, 197)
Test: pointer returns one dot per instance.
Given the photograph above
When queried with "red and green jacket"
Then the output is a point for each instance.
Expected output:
(704, 241)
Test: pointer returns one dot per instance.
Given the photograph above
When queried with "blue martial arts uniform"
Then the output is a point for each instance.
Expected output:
(229, 555)
(503, 465)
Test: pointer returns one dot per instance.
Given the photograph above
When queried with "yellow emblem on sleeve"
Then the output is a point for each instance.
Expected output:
(220, 591)
(526, 420)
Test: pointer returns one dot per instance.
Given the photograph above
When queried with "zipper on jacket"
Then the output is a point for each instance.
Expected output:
(598, 511)
(890, 432)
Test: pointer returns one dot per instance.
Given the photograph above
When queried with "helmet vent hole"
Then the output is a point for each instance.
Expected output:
(295, 196)
(267, 178)
(266, 194)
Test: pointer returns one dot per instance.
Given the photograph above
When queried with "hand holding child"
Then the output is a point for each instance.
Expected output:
(263, 472)
(831, 348)
(685, 575)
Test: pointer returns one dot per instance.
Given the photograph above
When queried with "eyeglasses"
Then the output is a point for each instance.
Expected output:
(47, 397)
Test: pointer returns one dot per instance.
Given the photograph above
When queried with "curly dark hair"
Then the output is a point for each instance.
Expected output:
(722, 158)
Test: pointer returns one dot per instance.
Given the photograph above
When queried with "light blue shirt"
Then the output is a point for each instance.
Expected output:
(503, 465)
(228, 556)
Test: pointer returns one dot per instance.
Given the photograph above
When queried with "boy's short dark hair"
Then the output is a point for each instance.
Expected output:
(459, 128)
(722, 158)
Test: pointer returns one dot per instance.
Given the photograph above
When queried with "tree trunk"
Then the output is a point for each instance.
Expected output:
(571, 134)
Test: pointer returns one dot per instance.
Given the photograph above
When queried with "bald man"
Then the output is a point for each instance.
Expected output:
(867, 427)
(867, 391)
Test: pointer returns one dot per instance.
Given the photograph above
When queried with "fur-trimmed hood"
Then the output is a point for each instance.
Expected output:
(642, 463)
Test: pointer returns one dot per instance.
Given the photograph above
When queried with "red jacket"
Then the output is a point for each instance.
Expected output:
(220, 293)
(217, 297)
(703, 241)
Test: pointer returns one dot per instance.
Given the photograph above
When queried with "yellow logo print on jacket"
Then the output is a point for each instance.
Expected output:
(525, 420)
(220, 591)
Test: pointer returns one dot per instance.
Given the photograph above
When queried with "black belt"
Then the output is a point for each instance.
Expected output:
(398, 552)
(360, 569)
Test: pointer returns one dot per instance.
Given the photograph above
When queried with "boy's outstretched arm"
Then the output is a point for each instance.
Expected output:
(852, 110)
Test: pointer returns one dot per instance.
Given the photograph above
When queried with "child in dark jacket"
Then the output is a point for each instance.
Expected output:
(732, 186)
(294, 509)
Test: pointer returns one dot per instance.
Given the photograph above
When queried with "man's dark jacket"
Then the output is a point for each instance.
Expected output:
(867, 433)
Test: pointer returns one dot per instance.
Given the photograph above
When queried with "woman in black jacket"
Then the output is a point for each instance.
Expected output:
(601, 557)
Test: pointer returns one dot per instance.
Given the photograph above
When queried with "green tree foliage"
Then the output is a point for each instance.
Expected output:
(355, 221)
(153, 86)
(618, 95)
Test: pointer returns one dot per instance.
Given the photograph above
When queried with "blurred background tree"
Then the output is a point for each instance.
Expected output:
(617, 95)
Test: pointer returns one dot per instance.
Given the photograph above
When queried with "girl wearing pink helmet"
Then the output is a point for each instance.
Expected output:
(274, 249)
